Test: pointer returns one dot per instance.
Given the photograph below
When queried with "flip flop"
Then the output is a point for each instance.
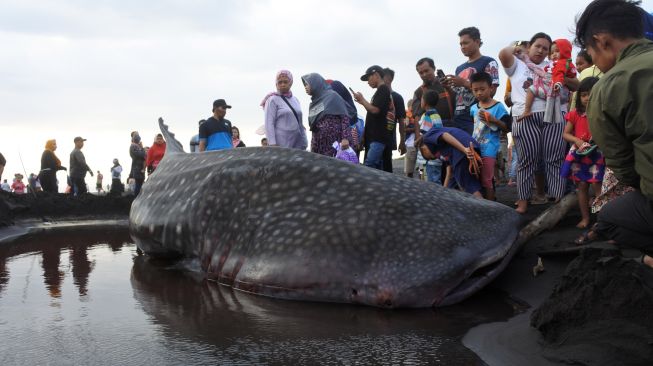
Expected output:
(538, 201)
(584, 238)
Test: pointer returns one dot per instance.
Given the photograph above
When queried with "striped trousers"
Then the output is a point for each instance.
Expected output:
(539, 141)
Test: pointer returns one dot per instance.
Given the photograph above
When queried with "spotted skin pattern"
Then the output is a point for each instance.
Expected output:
(281, 223)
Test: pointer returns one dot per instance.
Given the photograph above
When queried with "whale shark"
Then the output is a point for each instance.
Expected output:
(295, 225)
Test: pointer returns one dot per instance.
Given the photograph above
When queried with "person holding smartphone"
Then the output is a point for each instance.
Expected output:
(470, 45)
(379, 119)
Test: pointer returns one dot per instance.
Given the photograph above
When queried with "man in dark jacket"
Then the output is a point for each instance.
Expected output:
(78, 167)
(138, 154)
(619, 111)
(3, 162)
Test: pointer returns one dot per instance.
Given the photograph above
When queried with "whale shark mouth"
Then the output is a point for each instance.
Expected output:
(477, 280)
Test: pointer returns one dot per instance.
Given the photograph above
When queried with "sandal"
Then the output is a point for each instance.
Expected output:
(586, 237)
(538, 201)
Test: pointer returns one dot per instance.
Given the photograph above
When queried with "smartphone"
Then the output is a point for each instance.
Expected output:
(351, 90)
(441, 74)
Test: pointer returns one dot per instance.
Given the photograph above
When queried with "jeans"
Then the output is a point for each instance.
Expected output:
(78, 185)
(374, 158)
(434, 171)
(628, 220)
(513, 163)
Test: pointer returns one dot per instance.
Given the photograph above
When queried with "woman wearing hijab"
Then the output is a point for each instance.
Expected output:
(328, 118)
(283, 115)
(155, 153)
(235, 137)
(116, 174)
(356, 128)
(50, 164)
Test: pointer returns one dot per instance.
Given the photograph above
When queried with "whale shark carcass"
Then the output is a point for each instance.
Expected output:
(296, 225)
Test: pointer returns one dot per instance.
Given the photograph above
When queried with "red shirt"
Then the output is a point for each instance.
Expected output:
(155, 154)
(581, 126)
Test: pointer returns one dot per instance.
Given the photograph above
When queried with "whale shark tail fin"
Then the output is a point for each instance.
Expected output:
(172, 145)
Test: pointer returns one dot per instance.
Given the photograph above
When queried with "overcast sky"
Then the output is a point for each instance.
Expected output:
(100, 69)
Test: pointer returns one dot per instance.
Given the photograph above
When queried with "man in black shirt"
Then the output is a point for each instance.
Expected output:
(380, 118)
(400, 115)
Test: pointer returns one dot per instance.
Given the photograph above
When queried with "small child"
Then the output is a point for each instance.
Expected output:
(18, 186)
(490, 116)
(455, 146)
(345, 152)
(430, 118)
(410, 160)
(549, 84)
(584, 163)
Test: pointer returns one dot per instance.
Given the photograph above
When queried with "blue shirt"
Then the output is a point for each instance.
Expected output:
(443, 149)
(430, 118)
(489, 137)
(216, 134)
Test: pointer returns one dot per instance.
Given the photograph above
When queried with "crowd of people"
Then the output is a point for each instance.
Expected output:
(561, 120)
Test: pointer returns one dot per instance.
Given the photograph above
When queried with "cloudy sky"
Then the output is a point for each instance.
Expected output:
(100, 69)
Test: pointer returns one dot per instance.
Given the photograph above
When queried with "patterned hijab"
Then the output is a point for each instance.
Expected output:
(324, 101)
(281, 73)
(339, 88)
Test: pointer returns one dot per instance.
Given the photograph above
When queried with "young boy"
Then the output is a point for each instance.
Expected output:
(453, 145)
(430, 118)
(490, 118)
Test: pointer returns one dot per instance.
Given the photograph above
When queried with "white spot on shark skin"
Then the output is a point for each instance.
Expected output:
(178, 229)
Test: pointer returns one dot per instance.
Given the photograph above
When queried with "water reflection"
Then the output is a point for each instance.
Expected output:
(77, 242)
(255, 328)
(173, 316)
(4, 274)
(52, 276)
(81, 268)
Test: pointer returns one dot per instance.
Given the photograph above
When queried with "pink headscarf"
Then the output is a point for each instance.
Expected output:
(285, 73)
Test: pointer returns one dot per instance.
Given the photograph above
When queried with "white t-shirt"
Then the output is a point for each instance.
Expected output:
(521, 78)
(116, 171)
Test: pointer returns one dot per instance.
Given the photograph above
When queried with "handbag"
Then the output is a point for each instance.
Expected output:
(292, 109)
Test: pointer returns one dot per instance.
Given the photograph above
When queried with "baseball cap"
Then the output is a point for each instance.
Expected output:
(371, 70)
(220, 103)
(78, 138)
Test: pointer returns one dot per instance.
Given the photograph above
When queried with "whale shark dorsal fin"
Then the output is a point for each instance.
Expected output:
(172, 145)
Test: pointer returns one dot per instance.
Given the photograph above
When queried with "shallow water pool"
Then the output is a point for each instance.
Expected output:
(85, 297)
